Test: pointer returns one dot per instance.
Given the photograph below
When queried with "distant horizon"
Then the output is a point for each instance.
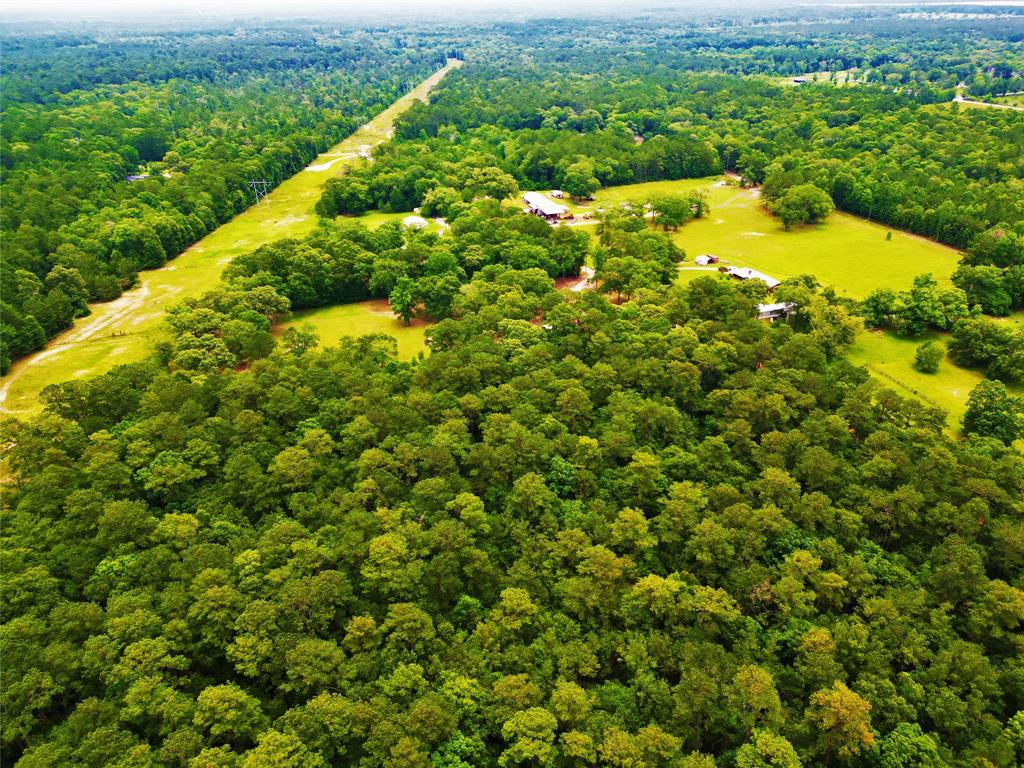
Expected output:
(58, 11)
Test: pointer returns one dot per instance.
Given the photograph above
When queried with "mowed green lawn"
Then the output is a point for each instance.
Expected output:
(125, 330)
(374, 219)
(848, 253)
(353, 320)
(891, 357)
(1017, 100)
(843, 77)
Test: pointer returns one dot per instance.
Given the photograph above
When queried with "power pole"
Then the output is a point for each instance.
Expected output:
(260, 189)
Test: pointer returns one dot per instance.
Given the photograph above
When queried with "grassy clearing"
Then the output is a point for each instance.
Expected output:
(333, 323)
(844, 77)
(1005, 103)
(891, 358)
(374, 219)
(850, 254)
(124, 330)
(1017, 100)
(642, 192)
(689, 274)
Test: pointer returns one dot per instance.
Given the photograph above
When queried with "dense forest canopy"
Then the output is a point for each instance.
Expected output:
(629, 524)
(638, 535)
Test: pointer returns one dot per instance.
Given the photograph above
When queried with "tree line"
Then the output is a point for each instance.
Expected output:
(74, 228)
(437, 172)
(935, 171)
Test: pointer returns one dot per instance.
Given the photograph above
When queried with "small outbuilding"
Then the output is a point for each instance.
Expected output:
(746, 273)
(557, 194)
(706, 258)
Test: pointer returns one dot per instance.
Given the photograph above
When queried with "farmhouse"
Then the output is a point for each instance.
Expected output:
(775, 311)
(746, 273)
(540, 205)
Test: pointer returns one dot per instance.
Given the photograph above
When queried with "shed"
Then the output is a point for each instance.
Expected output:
(746, 273)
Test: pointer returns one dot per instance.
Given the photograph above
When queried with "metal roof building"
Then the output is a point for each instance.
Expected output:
(542, 205)
(746, 273)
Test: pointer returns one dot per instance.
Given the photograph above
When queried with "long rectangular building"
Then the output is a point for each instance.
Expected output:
(541, 205)
(746, 273)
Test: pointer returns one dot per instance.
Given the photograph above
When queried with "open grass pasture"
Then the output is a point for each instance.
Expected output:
(375, 219)
(353, 320)
(1013, 103)
(124, 330)
(1014, 100)
(891, 357)
(848, 253)
(844, 77)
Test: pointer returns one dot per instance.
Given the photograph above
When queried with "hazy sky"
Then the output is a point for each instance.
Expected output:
(63, 10)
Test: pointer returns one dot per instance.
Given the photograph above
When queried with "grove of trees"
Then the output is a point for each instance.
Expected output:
(665, 533)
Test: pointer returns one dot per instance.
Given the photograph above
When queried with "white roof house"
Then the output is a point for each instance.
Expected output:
(772, 311)
(543, 205)
(746, 273)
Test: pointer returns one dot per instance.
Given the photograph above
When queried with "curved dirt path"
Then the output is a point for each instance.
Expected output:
(325, 166)
(84, 330)
(959, 99)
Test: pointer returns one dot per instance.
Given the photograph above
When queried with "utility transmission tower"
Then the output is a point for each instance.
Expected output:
(260, 189)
